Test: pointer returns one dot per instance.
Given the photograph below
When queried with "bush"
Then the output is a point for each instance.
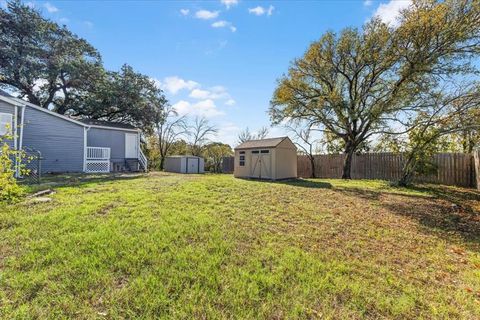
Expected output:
(9, 188)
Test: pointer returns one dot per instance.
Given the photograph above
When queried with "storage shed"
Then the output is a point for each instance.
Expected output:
(271, 159)
(185, 164)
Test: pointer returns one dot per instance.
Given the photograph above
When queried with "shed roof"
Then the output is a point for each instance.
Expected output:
(263, 143)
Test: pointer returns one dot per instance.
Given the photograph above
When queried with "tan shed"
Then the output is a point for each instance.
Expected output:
(271, 159)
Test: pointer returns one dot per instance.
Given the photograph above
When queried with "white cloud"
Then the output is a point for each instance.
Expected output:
(199, 94)
(270, 10)
(50, 7)
(174, 84)
(223, 24)
(257, 11)
(228, 133)
(367, 3)
(205, 108)
(229, 3)
(206, 15)
(213, 93)
(260, 11)
(230, 102)
(220, 24)
(389, 12)
(184, 12)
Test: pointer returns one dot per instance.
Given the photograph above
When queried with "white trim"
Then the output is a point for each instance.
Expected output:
(113, 128)
(14, 131)
(11, 101)
(31, 105)
(21, 128)
(85, 129)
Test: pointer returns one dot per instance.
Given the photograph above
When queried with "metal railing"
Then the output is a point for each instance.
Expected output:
(143, 160)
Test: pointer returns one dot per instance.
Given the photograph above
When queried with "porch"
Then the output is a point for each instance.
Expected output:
(98, 160)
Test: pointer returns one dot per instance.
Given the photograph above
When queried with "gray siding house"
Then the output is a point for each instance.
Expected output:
(69, 145)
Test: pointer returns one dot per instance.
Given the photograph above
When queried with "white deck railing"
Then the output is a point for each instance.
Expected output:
(96, 153)
(97, 159)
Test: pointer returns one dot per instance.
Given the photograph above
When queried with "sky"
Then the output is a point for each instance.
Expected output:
(220, 58)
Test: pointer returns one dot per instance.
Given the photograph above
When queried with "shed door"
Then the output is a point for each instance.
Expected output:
(131, 146)
(261, 165)
(192, 165)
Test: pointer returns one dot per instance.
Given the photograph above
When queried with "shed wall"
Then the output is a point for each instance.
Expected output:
(175, 164)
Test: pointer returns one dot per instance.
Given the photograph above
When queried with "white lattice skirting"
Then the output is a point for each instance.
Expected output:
(97, 166)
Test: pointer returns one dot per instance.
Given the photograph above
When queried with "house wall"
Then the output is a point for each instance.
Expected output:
(107, 138)
(60, 141)
(8, 108)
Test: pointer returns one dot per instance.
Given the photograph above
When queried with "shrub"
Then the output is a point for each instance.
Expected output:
(9, 188)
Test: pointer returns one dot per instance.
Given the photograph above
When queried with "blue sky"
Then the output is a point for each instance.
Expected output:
(219, 59)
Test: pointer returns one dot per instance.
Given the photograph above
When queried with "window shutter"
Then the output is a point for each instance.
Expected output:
(5, 123)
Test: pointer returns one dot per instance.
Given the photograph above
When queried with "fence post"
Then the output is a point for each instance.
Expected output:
(476, 160)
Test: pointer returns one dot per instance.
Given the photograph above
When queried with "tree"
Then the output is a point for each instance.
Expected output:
(199, 133)
(246, 135)
(355, 84)
(169, 127)
(125, 96)
(440, 119)
(43, 62)
(215, 152)
(303, 139)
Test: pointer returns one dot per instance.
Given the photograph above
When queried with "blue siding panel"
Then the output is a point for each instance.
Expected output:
(108, 138)
(60, 141)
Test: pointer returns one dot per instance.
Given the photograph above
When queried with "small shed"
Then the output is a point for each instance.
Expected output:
(271, 159)
(185, 164)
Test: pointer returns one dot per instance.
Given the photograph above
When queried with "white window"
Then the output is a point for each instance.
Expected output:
(5, 123)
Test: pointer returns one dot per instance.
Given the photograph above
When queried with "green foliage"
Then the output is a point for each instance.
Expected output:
(356, 83)
(125, 96)
(52, 67)
(44, 62)
(214, 153)
(9, 189)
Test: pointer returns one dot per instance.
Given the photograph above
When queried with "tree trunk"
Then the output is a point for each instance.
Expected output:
(312, 164)
(407, 172)
(347, 164)
(162, 162)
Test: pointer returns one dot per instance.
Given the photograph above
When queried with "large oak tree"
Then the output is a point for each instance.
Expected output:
(354, 84)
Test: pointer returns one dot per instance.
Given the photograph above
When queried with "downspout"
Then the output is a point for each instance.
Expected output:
(21, 128)
(20, 139)
(15, 142)
(85, 130)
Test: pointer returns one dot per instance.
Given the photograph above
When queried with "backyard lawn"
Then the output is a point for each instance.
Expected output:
(211, 246)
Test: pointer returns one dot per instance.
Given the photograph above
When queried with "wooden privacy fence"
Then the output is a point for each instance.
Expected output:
(453, 168)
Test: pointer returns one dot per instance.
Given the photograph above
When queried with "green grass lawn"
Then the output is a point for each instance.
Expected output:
(211, 246)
